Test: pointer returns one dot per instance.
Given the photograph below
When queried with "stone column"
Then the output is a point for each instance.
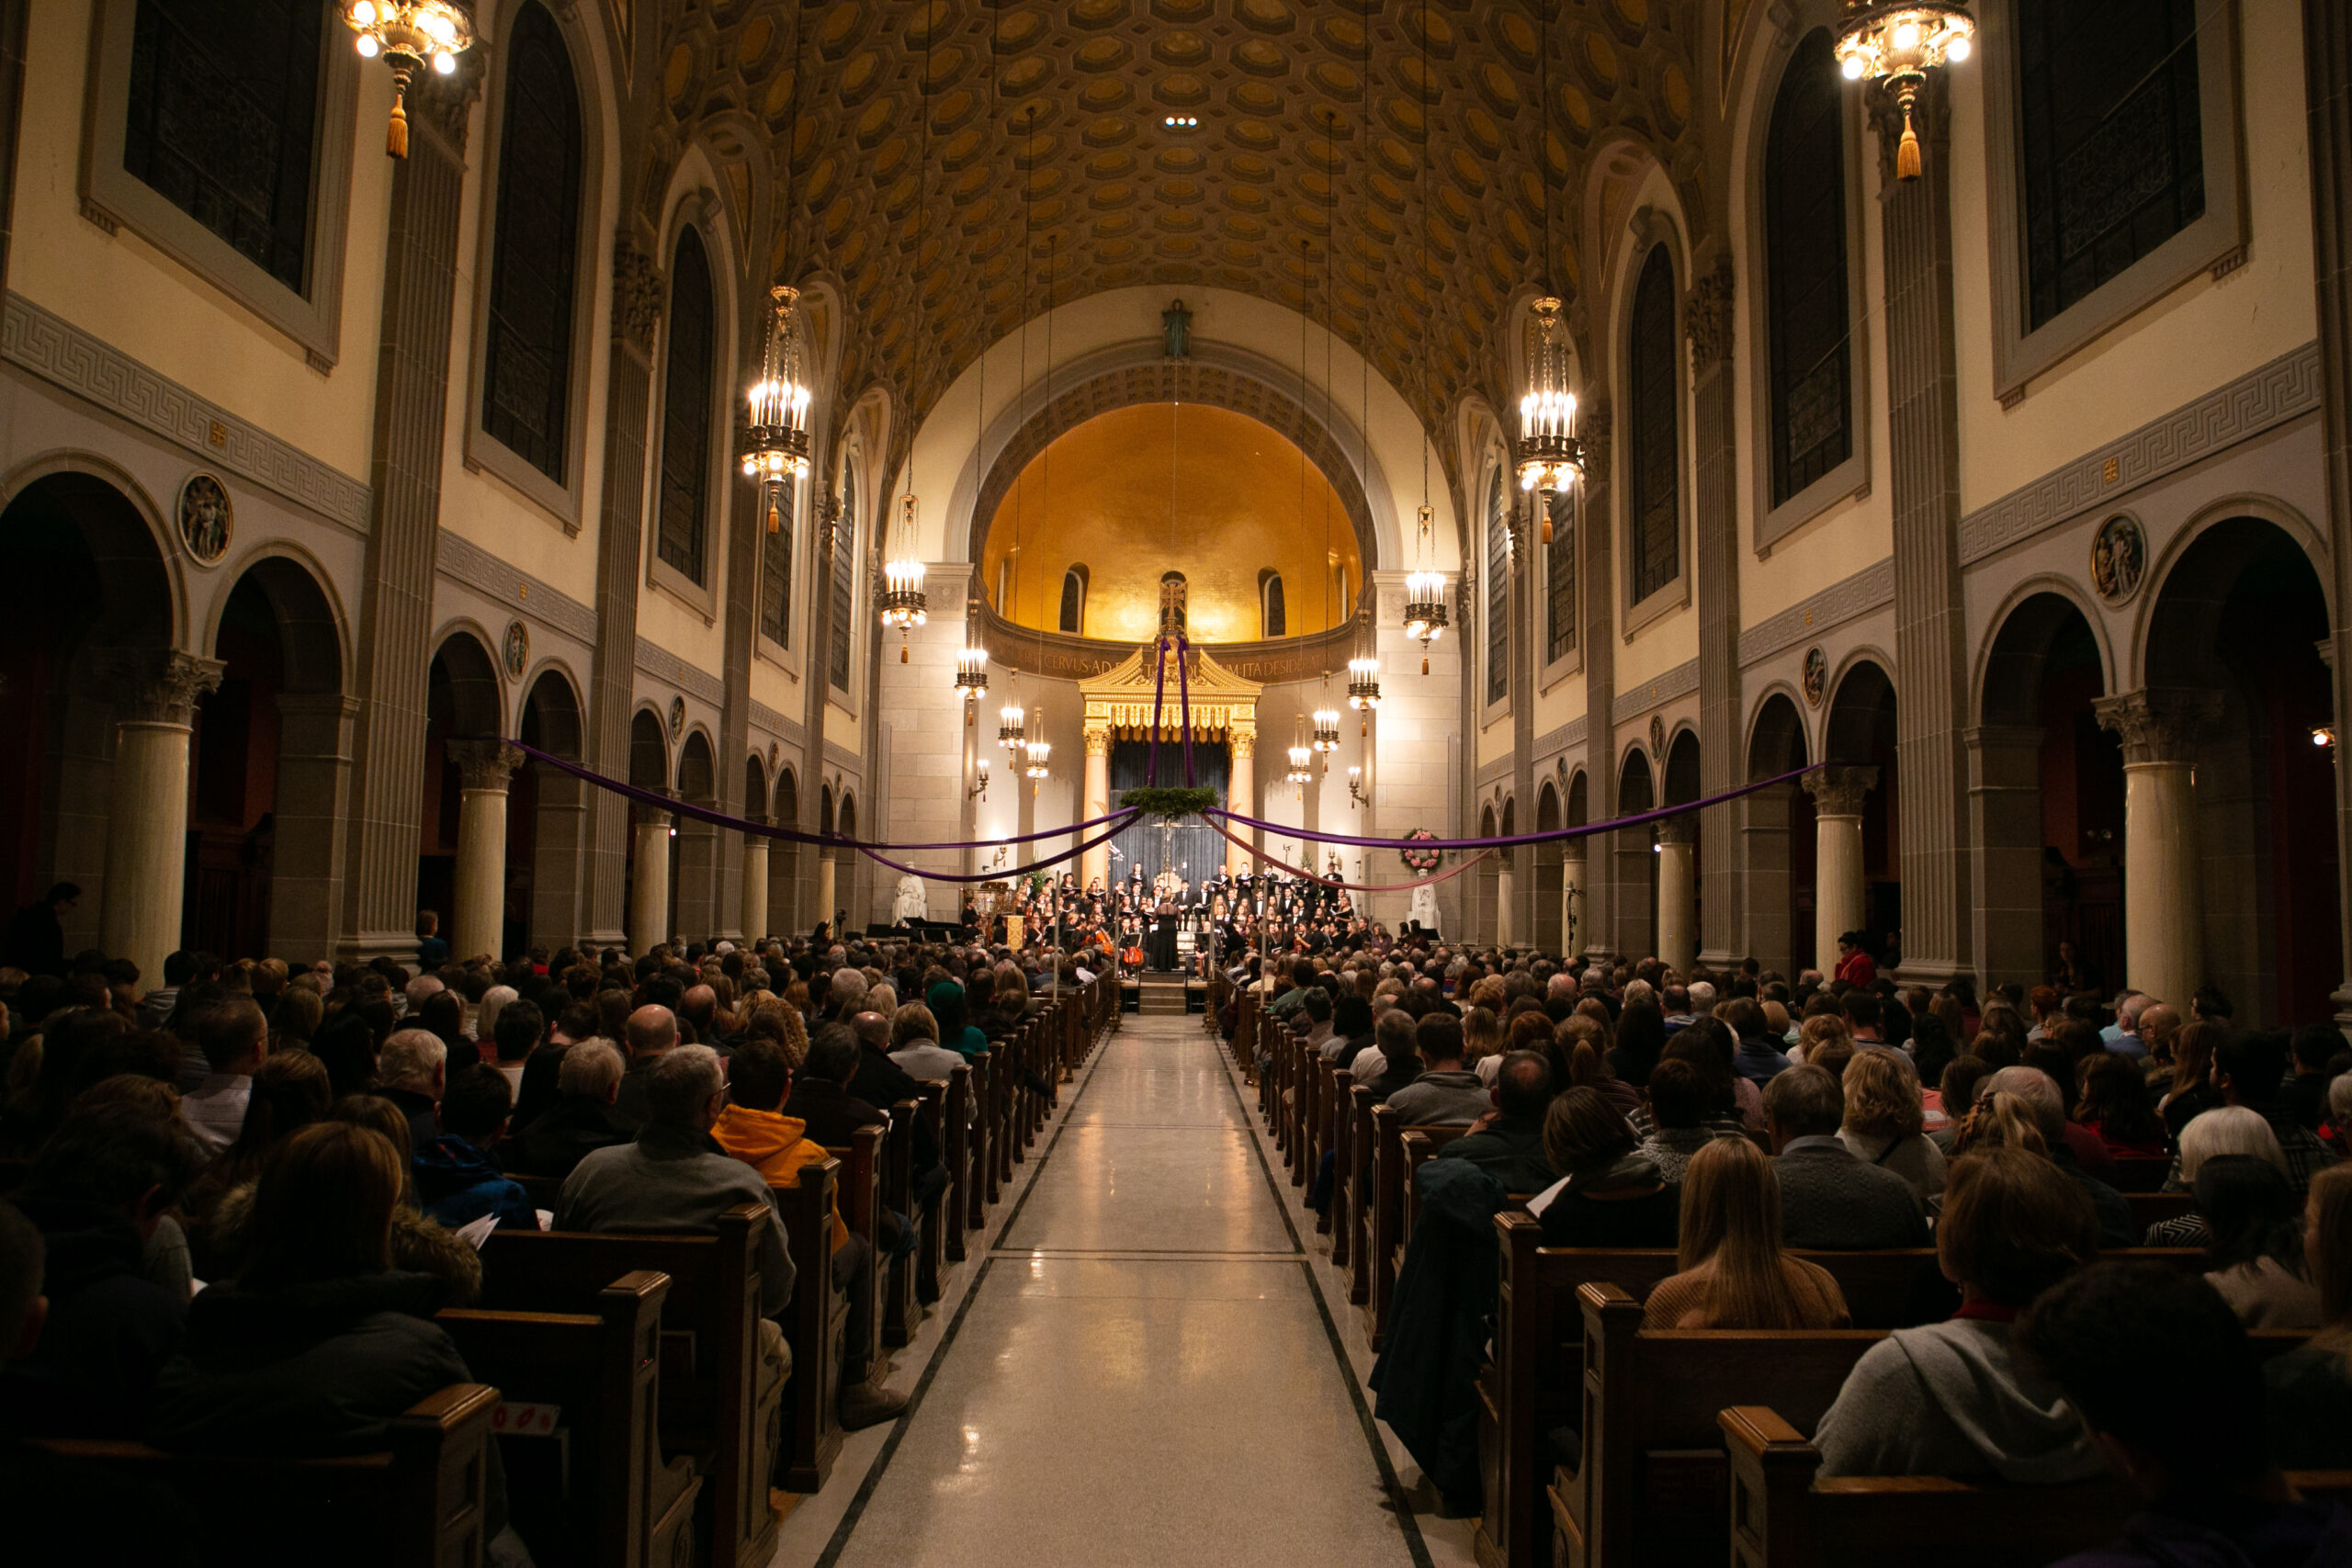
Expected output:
(1632, 866)
(827, 868)
(648, 901)
(1676, 942)
(2005, 826)
(1573, 876)
(560, 836)
(1096, 862)
(1504, 881)
(306, 891)
(638, 294)
(484, 770)
(1242, 795)
(1838, 901)
(147, 821)
(755, 901)
(2327, 95)
(412, 413)
(1707, 321)
(1923, 472)
(1597, 634)
(699, 887)
(1763, 820)
(2163, 931)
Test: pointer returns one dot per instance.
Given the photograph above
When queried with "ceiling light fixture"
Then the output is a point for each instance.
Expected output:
(904, 603)
(1898, 42)
(407, 34)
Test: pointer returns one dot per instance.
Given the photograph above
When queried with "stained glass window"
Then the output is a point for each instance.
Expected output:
(685, 409)
(527, 378)
(1498, 588)
(1656, 466)
(1805, 239)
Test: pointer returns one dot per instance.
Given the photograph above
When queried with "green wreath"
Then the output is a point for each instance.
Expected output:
(1169, 803)
(1422, 861)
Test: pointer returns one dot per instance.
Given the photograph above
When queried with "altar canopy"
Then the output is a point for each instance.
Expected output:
(1121, 705)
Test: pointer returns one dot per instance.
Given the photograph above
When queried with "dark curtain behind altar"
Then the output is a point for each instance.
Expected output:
(1192, 850)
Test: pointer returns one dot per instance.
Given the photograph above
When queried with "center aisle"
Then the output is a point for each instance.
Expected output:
(1141, 1370)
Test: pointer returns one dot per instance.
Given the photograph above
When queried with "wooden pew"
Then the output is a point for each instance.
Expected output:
(981, 1187)
(420, 1495)
(900, 1315)
(604, 1497)
(1245, 1036)
(938, 1214)
(2155, 1208)
(1331, 1085)
(2140, 1173)
(959, 1142)
(1343, 1111)
(1419, 1146)
(713, 1405)
(1357, 1188)
(816, 1330)
(861, 1200)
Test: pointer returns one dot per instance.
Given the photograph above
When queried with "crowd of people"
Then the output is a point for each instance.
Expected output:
(234, 1200)
(1142, 920)
(1740, 1118)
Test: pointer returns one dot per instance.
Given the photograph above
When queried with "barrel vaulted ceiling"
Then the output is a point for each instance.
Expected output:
(1313, 116)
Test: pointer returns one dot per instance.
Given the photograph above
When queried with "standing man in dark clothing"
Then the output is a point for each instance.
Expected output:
(36, 942)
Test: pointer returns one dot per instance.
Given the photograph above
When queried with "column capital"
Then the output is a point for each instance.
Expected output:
(1678, 831)
(1244, 741)
(2158, 726)
(161, 686)
(646, 816)
(485, 764)
(1098, 739)
(1838, 790)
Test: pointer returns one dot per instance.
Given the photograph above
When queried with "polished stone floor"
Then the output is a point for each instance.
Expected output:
(1147, 1363)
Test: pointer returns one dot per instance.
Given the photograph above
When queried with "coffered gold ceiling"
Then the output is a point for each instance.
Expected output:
(1240, 203)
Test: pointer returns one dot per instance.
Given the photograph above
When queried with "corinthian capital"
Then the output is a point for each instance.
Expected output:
(160, 685)
(1678, 831)
(485, 764)
(2158, 727)
(1840, 791)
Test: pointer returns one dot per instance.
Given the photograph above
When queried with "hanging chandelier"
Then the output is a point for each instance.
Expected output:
(1012, 724)
(904, 603)
(1898, 42)
(1041, 752)
(1299, 770)
(776, 441)
(408, 33)
(1425, 595)
(1327, 729)
(972, 676)
(1363, 683)
(1550, 456)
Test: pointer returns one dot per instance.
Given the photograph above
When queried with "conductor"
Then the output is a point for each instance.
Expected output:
(1163, 936)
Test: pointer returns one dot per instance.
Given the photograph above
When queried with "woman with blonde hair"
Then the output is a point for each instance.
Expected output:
(1731, 1270)
(1482, 1036)
(2192, 1092)
(1885, 1120)
(1580, 1059)
(1819, 1029)
(2310, 1403)
(1998, 1122)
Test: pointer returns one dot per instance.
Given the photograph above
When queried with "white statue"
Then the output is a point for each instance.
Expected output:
(1423, 911)
(911, 905)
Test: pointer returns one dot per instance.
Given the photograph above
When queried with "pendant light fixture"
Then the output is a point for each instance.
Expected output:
(904, 603)
(1425, 615)
(775, 435)
(1898, 42)
(1549, 456)
(972, 659)
(1363, 670)
(407, 34)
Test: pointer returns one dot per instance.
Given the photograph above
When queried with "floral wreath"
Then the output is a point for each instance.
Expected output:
(1417, 859)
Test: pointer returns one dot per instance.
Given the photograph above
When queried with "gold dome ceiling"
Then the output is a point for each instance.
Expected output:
(1246, 501)
(1246, 200)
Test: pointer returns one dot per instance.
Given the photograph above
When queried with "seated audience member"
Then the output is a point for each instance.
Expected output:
(1828, 1198)
(1731, 1269)
(2187, 1091)
(2311, 1387)
(2226, 1130)
(2037, 1091)
(412, 1070)
(1510, 1146)
(881, 1081)
(914, 1046)
(2303, 1097)
(2256, 1247)
(1392, 1030)
(1885, 1120)
(2190, 1441)
(1351, 1030)
(1612, 1194)
(1446, 1094)
(319, 1342)
(1397, 1044)
(290, 1089)
(458, 1178)
(516, 1029)
(1955, 1398)
(583, 1118)
(68, 1510)
(1678, 1125)
(346, 1043)
(651, 1033)
(2248, 1070)
(1759, 1057)
(2114, 1107)
(97, 1192)
(671, 1177)
(950, 1007)
(234, 1038)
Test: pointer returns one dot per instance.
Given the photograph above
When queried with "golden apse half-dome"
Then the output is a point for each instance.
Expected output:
(1086, 528)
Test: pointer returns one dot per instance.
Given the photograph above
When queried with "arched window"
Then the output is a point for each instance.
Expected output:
(845, 565)
(1073, 615)
(209, 81)
(1560, 575)
(526, 373)
(2111, 139)
(1498, 588)
(1273, 618)
(685, 409)
(1656, 386)
(776, 567)
(1804, 266)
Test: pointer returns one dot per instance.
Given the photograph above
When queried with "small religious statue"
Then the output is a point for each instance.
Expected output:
(1423, 910)
(1176, 326)
(911, 904)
